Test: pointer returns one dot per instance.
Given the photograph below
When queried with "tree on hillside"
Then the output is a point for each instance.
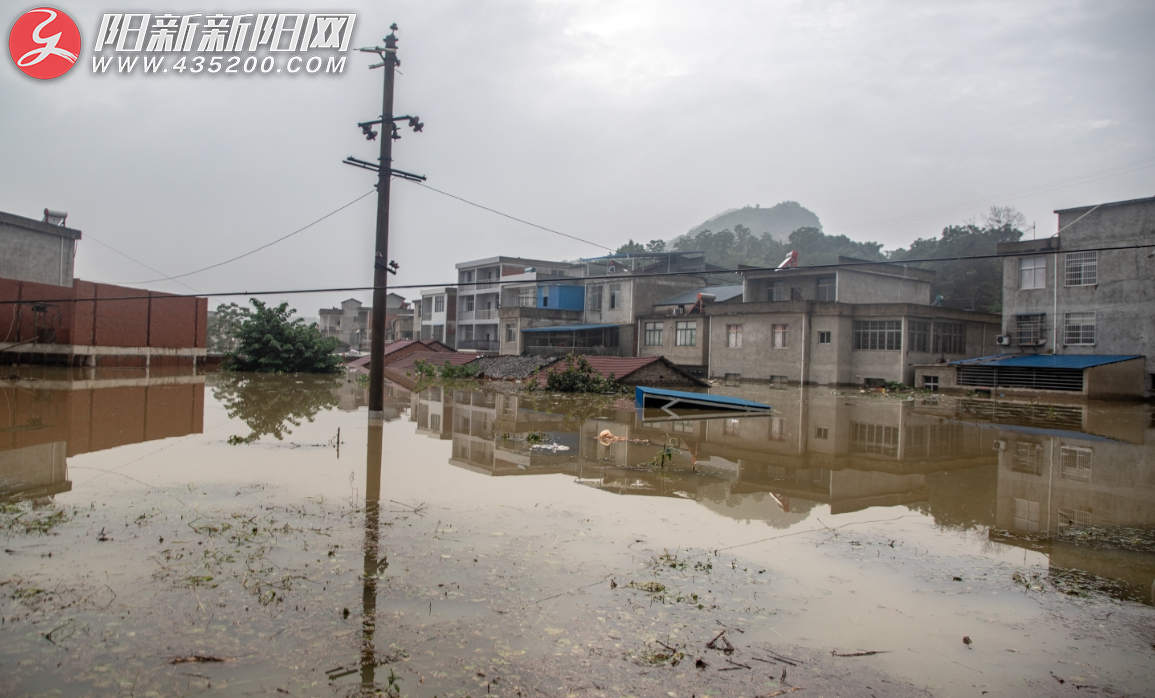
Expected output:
(741, 246)
(656, 246)
(631, 247)
(972, 284)
(270, 342)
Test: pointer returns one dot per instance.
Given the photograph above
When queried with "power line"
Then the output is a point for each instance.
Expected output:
(512, 218)
(604, 277)
(89, 236)
(252, 251)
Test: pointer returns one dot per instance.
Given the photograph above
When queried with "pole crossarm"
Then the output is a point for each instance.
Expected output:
(377, 168)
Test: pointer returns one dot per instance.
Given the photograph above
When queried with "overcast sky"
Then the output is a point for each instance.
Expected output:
(605, 120)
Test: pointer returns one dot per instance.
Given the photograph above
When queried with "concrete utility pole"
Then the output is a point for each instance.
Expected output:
(385, 174)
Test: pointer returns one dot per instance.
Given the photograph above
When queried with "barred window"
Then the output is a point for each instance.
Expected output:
(1075, 463)
(1074, 518)
(685, 333)
(878, 334)
(594, 297)
(734, 336)
(1033, 272)
(654, 334)
(1082, 268)
(950, 338)
(919, 335)
(827, 288)
(1079, 328)
(731, 427)
(1026, 459)
(1029, 329)
(439, 304)
(526, 298)
(781, 336)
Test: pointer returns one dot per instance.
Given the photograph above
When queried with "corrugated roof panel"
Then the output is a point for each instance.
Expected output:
(1073, 361)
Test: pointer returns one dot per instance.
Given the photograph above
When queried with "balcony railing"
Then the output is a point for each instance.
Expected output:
(479, 344)
(565, 351)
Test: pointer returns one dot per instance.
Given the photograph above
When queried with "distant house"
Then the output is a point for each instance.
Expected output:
(439, 315)
(352, 323)
(41, 251)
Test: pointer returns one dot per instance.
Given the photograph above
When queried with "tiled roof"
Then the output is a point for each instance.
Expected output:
(390, 348)
(437, 358)
(620, 366)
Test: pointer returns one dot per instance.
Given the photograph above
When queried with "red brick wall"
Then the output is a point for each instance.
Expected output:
(169, 321)
(121, 323)
(84, 314)
(9, 291)
(57, 315)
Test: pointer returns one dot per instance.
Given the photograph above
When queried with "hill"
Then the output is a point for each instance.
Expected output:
(779, 220)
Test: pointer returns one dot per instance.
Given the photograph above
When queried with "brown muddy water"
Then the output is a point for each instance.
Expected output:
(190, 534)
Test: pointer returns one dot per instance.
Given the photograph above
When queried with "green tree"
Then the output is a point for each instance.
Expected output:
(656, 246)
(268, 341)
(631, 247)
(224, 327)
(971, 284)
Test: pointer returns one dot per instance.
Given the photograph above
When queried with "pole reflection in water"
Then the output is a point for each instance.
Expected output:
(373, 564)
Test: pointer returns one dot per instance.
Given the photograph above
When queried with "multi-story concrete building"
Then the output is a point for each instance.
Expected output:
(351, 323)
(851, 324)
(39, 251)
(487, 285)
(439, 315)
(1070, 294)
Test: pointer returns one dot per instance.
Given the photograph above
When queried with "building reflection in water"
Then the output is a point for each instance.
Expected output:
(1076, 482)
(63, 413)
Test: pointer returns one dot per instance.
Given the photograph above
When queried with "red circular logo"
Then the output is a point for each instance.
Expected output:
(44, 43)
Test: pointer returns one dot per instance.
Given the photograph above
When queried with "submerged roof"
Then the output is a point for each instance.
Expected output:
(641, 391)
(1074, 361)
(570, 328)
(722, 293)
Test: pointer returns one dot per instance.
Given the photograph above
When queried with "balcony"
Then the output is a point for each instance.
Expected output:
(488, 345)
(566, 351)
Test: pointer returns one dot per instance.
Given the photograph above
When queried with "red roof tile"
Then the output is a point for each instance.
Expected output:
(391, 348)
(437, 358)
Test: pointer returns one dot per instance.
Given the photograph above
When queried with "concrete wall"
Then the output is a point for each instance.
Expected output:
(884, 284)
(682, 356)
(638, 297)
(32, 250)
(1120, 380)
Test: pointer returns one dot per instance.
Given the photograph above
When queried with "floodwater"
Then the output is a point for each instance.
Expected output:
(238, 534)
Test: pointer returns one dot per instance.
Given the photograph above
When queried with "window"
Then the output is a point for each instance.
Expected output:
(1074, 518)
(930, 383)
(822, 433)
(1082, 268)
(777, 429)
(469, 300)
(594, 297)
(873, 438)
(827, 288)
(439, 333)
(510, 332)
(685, 333)
(779, 381)
(824, 337)
(731, 427)
(1029, 329)
(439, 304)
(611, 337)
(435, 422)
(1026, 459)
(733, 336)
(684, 427)
(467, 332)
(1026, 515)
(878, 334)
(777, 291)
(1079, 328)
(545, 296)
(781, 336)
(918, 335)
(654, 334)
(950, 338)
(469, 276)
(615, 296)
(525, 297)
(1033, 272)
(426, 310)
(1075, 463)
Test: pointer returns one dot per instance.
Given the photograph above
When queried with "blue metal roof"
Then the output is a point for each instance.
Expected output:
(640, 391)
(722, 293)
(1074, 361)
(569, 328)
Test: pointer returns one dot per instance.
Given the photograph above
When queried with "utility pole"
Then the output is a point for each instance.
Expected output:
(382, 266)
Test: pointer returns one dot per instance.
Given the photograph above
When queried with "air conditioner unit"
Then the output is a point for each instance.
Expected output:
(1003, 340)
(1000, 445)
